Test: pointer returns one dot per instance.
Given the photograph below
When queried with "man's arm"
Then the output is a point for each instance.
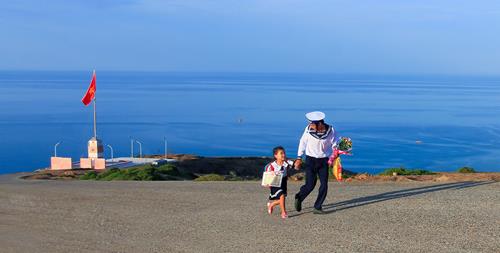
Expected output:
(301, 150)
(335, 138)
(302, 145)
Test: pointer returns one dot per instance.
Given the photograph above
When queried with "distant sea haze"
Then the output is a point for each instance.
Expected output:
(439, 123)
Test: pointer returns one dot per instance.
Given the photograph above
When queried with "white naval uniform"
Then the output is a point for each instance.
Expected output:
(317, 146)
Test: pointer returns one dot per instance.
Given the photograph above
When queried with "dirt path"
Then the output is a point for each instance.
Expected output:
(88, 216)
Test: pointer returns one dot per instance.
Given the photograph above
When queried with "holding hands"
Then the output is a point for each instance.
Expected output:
(298, 163)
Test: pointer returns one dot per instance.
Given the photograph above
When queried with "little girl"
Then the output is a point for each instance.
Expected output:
(278, 194)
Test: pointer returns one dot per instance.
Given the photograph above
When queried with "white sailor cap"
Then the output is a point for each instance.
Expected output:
(315, 116)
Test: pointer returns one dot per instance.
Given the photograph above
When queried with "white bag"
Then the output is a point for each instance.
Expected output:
(269, 178)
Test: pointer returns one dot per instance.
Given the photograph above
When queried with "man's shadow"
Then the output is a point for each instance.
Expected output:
(361, 201)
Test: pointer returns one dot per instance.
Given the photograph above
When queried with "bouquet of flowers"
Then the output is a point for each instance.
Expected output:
(345, 144)
(344, 147)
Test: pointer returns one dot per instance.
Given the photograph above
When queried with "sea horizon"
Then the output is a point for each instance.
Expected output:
(416, 121)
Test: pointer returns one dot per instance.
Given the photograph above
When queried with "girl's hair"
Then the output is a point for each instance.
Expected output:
(278, 148)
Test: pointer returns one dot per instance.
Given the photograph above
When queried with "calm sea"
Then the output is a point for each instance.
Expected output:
(433, 122)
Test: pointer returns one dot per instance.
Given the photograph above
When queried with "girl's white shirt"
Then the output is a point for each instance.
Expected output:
(279, 169)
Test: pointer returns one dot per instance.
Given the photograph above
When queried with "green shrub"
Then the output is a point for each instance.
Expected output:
(466, 170)
(391, 171)
(233, 176)
(89, 175)
(420, 172)
(139, 173)
(108, 174)
(168, 170)
(210, 177)
(146, 174)
(405, 172)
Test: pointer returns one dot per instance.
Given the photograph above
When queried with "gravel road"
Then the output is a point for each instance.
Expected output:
(89, 216)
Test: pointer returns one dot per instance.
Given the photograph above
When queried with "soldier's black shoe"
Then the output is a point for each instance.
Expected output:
(298, 204)
(318, 211)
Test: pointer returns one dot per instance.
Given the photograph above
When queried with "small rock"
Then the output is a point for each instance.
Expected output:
(363, 176)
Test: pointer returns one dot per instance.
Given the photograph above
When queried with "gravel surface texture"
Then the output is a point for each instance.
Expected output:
(123, 216)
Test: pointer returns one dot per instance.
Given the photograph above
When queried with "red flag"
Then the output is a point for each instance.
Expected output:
(90, 92)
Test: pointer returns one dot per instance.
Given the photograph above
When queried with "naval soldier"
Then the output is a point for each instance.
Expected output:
(317, 143)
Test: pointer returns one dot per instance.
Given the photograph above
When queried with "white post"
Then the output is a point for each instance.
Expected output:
(165, 142)
(111, 148)
(140, 148)
(131, 147)
(55, 148)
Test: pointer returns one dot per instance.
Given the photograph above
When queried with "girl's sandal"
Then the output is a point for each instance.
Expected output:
(284, 215)
(269, 208)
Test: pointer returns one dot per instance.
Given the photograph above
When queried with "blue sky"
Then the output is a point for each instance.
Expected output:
(367, 36)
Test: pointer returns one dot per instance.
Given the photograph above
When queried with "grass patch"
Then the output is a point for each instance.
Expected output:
(405, 172)
(91, 175)
(233, 176)
(466, 170)
(157, 173)
(139, 173)
(210, 177)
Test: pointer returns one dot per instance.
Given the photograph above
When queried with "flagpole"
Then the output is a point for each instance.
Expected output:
(95, 125)
(95, 130)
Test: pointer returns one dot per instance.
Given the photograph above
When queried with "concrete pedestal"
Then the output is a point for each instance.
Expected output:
(60, 163)
(85, 163)
(93, 163)
(95, 148)
(99, 164)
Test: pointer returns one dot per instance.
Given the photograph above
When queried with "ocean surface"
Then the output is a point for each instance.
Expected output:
(431, 122)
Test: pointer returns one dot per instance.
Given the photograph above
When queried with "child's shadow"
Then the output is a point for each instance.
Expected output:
(361, 201)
